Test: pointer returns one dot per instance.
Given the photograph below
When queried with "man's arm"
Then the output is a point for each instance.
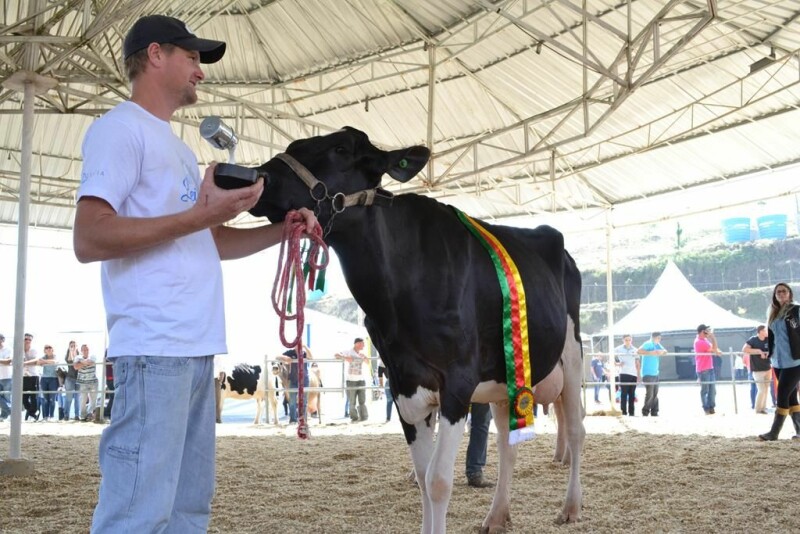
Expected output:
(234, 243)
(99, 233)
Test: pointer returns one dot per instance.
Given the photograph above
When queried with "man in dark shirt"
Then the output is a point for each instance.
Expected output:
(290, 357)
(760, 366)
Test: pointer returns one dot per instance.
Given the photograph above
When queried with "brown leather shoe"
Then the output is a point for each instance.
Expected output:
(477, 481)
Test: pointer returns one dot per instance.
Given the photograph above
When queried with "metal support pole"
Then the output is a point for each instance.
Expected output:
(610, 314)
(732, 359)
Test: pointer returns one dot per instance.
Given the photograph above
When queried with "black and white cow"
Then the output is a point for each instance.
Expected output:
(244, 383)
(433, 306)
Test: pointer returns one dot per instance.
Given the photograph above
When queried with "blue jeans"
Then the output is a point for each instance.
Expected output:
(708, 392)
(71, 397)
(389, 402)
(5, 397)
(157, 455)
(49, 388)
(478, 439)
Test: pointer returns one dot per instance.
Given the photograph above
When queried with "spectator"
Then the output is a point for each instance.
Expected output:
(86, 364)
(5, 379)
(757, 350)
(355, 381)
(383, 381)
(478, 445)
(30, 379)
(598, 376)
(629, 374)
(71, 396)
(705, 348)
(651, 353)
(290, 357)
(784, 350)
(109, 372)
(159, 230)
(48, 384)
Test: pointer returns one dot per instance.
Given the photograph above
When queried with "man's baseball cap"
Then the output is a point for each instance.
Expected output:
(161, 29)
(702, 328)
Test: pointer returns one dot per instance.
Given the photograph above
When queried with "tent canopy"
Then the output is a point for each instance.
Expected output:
(674, 305)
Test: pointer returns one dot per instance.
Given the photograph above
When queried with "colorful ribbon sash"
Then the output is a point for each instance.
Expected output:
(515, 333)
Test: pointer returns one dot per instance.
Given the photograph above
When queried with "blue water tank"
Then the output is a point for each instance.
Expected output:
(736, 229)
(772, 226)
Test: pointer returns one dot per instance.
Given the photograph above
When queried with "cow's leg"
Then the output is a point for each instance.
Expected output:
(420, 442)
(561, 455)
(258, 411)
(273, 405)
(573, 421)
(499, 516)
(439, 477)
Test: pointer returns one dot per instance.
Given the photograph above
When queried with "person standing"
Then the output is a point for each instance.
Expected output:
(5, 379)
(159, 231)
(86, 364)
(651, 353)
(629, 374)
(30, 379)
(705, 348)
(383, 381)
(48, 383)
(598, 375)
(290, 357)
(71, 397)
(478, 445)
(756, 348)
(355, 381)
(784, 350)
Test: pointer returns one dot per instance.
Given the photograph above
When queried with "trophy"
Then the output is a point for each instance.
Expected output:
(228, 175)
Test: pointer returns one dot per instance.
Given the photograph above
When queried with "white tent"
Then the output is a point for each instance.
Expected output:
(674, 305)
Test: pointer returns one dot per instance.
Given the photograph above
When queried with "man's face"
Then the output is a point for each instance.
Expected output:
(84, 350)
(359, 346)
(183, 74)
(28, 340)
(657, 339)
(762, 334)
(627, 340)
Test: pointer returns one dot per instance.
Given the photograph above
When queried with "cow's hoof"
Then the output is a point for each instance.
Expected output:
(566, 517)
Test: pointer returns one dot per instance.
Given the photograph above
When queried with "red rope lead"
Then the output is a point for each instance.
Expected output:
(292, 272)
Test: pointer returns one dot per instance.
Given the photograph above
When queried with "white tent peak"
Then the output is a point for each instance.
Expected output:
(674, 305)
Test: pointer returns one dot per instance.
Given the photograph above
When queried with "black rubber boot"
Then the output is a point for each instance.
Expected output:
(796, 421)
(777, 424)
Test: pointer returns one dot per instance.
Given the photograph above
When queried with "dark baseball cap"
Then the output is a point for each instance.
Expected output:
(161, 29)
(702, 328)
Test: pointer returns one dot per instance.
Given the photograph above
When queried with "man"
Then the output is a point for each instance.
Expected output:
(629, 374)
(598, 375)
(159, 231)
(756, 348)
(355, 381)
(30, 379)
(290, 357)
(5, 379)
(86, 365)
(651, 352)
(705, 348)
(478, 444)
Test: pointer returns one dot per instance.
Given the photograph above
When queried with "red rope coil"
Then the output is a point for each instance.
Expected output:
(290, 270)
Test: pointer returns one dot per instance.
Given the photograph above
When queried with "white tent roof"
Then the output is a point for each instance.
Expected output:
(675, 305)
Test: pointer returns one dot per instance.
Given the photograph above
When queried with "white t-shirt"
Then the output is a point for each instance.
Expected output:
(5, 370)
(31, 370)
(356, 368)
(166, 300)
(628, 359)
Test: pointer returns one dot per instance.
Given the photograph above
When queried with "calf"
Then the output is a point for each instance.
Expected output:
(244, 383)
(445, 296)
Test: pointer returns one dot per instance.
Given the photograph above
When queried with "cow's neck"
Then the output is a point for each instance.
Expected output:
(365, 242)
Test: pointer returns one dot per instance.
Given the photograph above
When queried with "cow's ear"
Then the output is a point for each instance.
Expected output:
(406, 163)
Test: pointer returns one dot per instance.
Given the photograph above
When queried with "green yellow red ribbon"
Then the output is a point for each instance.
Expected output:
(515, 332)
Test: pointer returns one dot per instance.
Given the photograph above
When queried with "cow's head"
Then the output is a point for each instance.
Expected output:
(344, 161)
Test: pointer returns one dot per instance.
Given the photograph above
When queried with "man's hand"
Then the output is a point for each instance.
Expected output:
(216, 206)
(309, 218)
